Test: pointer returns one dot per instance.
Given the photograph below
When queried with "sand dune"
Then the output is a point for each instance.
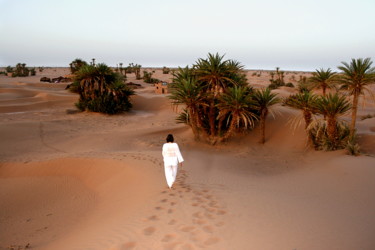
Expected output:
(91, 181)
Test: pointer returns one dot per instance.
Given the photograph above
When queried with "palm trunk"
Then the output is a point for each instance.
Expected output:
(193, 124)
(331, 130)
(307, 117)
(212, 119)
(263, 117)
(263, 130)
(354, 114)
(199, 124)
(231, 129)
(220, 125)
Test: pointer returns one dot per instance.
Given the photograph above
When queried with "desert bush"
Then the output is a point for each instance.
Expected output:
(147, 77)
(9, 69)
(166, 70)
(21, 70)
(275, 84)
(353, 147)
(289, 84)
(32, 72)
(320, 139)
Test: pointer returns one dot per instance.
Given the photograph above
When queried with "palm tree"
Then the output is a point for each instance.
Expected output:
(186, 90)
(216, 75)
(332, 106)
(324, 79)
(355, 78)
(264, 99)
(304, 101)
(215, 72)
(76, 65)
(235, 105)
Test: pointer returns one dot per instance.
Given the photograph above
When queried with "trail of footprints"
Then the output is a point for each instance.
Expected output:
(189, 226)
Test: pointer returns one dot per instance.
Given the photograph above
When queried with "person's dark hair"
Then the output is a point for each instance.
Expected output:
(170, 138)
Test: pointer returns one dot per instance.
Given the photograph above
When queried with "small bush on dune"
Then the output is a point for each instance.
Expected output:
(166, 70)
(353, 147)
(320, 139)
(290, 85)
(147, 77)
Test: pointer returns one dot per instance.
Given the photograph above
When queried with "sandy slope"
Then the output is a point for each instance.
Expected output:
(89, 181)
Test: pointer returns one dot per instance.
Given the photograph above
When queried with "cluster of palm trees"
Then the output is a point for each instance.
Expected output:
(219, 102)
(326, 131)
(101, 89)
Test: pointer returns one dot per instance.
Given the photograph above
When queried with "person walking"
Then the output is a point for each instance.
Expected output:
(172, 158)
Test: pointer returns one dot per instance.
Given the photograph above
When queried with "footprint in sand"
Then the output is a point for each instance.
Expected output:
(153, 218)
(168, 237)
(221, 212)
(199, 222)
(198, 215)
(172, 222)
(219, 224)
(187, 246)
(129, 245)
(208, 229)
(209, 216)
(211, 241)
(171, 246)
(149, 231)
(187, 228)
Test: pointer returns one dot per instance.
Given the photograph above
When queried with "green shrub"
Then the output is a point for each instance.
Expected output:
(107, 104)
(289, 84)
(21, 70)
(275, 84)
(147, 77)
(320, 139)
(9, 69)
(353, 148)
(166, 70)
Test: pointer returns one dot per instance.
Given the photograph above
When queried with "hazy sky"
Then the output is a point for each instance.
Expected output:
(264, 34)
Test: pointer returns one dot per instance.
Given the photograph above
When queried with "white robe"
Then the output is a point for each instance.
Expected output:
(172, 156)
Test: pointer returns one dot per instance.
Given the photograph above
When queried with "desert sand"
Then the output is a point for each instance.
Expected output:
(80, 180)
